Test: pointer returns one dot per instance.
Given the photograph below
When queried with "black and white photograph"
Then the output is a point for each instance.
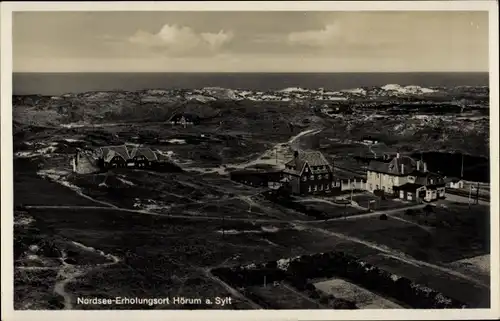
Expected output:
(251, 159)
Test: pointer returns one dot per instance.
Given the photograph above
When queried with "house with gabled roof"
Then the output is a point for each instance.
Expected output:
(309, 172)
(126, 156)
(405, 178)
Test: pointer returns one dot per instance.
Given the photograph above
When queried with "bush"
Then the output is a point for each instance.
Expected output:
(342, 304)
(410, 212)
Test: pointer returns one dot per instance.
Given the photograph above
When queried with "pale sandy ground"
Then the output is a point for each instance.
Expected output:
(479, 263)
(364, 299)
(460, 199)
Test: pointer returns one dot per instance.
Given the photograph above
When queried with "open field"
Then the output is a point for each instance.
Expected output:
(364, 299)
(465, 234)
(150, 234)
(282, 296)
(332, 210)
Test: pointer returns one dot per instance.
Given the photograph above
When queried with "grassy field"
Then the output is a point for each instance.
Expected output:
(282, 297)
(174, 250)
(429, 243)
(333, 210)
(364, 299)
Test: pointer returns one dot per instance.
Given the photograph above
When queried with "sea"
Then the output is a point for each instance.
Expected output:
(61, 83)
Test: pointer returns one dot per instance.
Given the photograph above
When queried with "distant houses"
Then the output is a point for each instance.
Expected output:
(368, 140)
(184, 120)
(121, 156)
(405, 178)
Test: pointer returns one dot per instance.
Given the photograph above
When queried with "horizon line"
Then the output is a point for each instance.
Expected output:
(245, 72)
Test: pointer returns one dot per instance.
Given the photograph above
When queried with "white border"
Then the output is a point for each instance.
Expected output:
(7, 178)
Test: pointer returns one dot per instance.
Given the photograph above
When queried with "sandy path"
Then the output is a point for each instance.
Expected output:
(68, 273)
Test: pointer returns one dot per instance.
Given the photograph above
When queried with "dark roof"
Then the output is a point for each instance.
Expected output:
(429, 178)
(291, 171)
(394, 166)
(108, 152)
(126, 152)
(143, 151)
(312, 158)
(408, 187)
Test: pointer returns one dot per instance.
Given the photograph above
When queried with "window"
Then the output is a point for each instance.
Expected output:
(327, 187)
(315, 188)
(312, 178)
(309, 188)
(371, 186)
(333, 184)
(306, 170)
(319, 176)
(304, 178)
(321, 187)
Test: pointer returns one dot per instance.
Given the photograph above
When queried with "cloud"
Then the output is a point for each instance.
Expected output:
(174, 39)
(315, 38)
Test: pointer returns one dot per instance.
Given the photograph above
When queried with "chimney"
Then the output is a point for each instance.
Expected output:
(425, 167)
(402, 168)
(397, 155)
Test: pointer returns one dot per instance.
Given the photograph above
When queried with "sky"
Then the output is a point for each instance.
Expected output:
(183, 41)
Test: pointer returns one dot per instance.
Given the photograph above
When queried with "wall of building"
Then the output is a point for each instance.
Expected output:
(83, 165)
(384, 182)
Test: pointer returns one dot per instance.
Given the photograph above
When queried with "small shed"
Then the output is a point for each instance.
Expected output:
(453, 182)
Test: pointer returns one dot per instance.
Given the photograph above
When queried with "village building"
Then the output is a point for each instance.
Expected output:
(453, 182)
(126, 156)
(370, 140)
(405, 178)
(184, 120)
(258, 178)
(425, 186)
(122, 156)
(309, 172)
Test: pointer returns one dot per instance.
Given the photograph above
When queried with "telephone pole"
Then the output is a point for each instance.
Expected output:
(477, 193)
(462, 168)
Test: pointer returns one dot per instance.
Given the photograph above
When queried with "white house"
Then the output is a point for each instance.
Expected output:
(386, 175)
(405, 178)
(453, 182)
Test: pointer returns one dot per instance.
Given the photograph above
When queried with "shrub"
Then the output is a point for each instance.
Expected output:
(410, 212)
(342, 304)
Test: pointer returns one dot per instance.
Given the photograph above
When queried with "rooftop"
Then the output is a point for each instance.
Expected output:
(126, 152)
(312, 158)
(399, 165)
